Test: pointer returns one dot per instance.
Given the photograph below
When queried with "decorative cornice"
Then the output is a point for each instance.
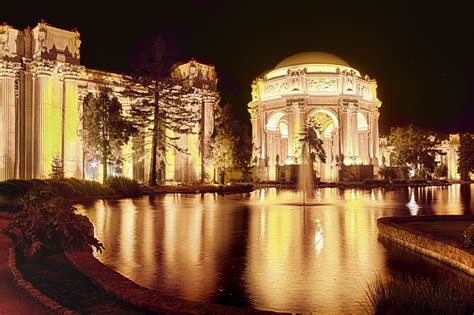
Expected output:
(42, 66)
(69, 71)
(9, 69)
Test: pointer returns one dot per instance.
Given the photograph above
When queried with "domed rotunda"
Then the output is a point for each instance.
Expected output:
(313, 86)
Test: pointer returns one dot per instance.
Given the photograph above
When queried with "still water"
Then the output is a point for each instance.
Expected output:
(259, 250)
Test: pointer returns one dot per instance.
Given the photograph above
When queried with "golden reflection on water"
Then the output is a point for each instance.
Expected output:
(260, 250)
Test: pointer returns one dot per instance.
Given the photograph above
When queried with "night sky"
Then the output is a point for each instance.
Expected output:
(421, 53)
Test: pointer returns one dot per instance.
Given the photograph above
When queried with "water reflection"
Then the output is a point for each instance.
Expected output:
(412, 205)
(256, 250)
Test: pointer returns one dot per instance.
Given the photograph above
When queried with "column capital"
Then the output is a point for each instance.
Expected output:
(354, 107)
(9, 69)
(376, 113)
(69, 71)
(42, 66)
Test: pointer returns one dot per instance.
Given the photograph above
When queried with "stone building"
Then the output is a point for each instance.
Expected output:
(319, 86)
(42, 85)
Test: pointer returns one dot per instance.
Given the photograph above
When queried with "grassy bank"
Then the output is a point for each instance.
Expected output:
(406, 294)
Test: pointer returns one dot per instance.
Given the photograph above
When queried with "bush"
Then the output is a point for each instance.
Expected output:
(405, 294)
(469, 236)
(124, 186)
(48, 225)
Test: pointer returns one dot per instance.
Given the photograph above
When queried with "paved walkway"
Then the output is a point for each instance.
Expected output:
(12, 301)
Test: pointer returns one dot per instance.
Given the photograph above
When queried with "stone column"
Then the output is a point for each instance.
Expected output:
(255, 118)
(300, 122)
(291, 133)
(72, 149)
(42, 100)
(354, 131)
(345, 129)
(8, 145)
(375, 135)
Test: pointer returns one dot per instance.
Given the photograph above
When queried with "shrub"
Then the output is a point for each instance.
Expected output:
(63, 189)
(47, 224)
(124, 186)
(469, 236)
(405, 294)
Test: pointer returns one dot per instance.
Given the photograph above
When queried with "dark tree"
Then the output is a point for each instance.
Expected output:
(466, 156)
(105, 129)
(162, 102)
(57, 168)
(310, 136)
(231, 145)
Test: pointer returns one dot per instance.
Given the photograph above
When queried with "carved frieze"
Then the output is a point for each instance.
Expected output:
(322, 85)
(276, 89)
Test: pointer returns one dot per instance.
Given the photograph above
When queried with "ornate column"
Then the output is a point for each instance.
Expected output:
(256, 131)
(8, 143)
(374, 131)
(72, 149)
(354, 131)
(345, 129)
(42, 101)
(291, 132)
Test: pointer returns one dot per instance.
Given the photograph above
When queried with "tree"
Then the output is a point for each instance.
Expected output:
(441, 170)
(57, 168)
(105, 129)
(466, 156)
(414, 149)
(244, 150)
(223, 141)
(310, 136)
(163, 103)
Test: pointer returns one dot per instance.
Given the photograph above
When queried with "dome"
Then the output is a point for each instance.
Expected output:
(312, 57)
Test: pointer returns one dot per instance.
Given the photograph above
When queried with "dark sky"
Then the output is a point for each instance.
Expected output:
(420, 52)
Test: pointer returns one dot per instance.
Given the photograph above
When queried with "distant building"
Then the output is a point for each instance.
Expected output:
(320, 86)
(42, 85)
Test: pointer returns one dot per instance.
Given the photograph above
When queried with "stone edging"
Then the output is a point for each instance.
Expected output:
(28, 288)
(447, 251)
(132, 293)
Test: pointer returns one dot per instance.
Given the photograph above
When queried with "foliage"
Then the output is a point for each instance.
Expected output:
(405, 294)
(164, 108)
(469, 236)
(441, 170)
(414, 149)
(124, 186)
(466, 156)
(310, 136)
(105, 129)
(13, 190)
(231, 145)
(387, 172)
(57, 168)
(47, 224)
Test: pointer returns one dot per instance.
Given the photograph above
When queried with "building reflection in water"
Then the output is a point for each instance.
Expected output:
(259, 250)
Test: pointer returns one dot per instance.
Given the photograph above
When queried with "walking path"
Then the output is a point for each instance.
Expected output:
(12, 301)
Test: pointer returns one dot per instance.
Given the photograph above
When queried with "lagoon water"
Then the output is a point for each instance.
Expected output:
(261, 250)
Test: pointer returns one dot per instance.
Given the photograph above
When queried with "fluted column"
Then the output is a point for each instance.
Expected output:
(345, 130)
(42, 100)
(354, 131)
(291, 132)
(375, 134)
(8, 143)
(72, 150)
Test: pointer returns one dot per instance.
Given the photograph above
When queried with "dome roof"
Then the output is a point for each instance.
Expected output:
(311, 57)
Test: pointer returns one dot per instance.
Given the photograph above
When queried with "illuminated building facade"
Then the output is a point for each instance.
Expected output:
(42, 85)
(319, 86)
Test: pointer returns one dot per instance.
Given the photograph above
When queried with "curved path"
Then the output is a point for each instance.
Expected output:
(12, 301)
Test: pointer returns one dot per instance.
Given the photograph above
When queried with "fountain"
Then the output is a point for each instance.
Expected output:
(305, 178)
